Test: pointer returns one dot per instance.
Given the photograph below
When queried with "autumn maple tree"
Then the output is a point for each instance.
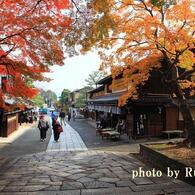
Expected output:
(31, 35)
(137, 36)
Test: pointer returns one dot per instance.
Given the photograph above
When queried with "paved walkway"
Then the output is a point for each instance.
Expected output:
(26, 140)
(16, 134)
(86, 129)
(66, 170)
(83, 173)
(69, 140)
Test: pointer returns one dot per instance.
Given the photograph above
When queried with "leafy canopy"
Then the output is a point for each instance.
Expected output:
(31, 34)
(134, 36)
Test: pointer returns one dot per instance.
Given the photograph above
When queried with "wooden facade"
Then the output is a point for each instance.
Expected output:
(155, 111)
(9, 123)
(150, 119)
(172, 118)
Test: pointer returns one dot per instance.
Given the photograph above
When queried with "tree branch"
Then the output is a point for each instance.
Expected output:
(186, 74)
(17, 34)
(147, 9)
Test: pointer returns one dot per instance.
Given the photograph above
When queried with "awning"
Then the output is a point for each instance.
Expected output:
(106, 99)
(108, 109)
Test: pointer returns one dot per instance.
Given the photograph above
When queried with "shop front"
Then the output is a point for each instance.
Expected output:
(148, 121)
(106, 108)
(152, 114)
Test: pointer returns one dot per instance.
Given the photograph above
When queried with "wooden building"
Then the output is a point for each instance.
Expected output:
(103, 102)
(10, 116)
(155, 111)
(10, 119)
(9, 123)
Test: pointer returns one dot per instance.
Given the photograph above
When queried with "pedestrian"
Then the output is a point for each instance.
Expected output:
(62, 117)
(21, 118)
(43, 127)
(57, 128)
(102, 122)
(69, 116)
(121, 126)
(98, 124)
(52, 116)
(73, 115)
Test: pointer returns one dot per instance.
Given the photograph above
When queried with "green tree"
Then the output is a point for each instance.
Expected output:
(38, 100)
(94, 77)
(49, 96)
(82, 98)
(63, 100)
(81, 101)
(64, 97)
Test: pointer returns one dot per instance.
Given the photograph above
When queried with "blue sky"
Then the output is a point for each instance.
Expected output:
(72, 75)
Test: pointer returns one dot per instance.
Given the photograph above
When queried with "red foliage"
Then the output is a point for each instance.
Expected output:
(31, 40)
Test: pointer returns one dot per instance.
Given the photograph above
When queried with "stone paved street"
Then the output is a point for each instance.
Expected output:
(82, 173)
(69, 168)
(69, 140)
(86, 130)
(26, 140)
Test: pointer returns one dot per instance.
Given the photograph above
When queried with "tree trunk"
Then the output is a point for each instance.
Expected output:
(187, 116)
(1, 121)
(174, 87)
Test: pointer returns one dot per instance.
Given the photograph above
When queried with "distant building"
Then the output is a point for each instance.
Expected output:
(73, 96)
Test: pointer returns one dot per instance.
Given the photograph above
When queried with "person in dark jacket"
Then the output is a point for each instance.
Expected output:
(62, 117)
(73, 115)
(56, 125)
(43, 127)
(69, 116)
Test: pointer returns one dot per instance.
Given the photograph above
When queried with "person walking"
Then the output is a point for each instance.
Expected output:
(52, 116)
(73, 115)
(69, 116)
(57, 129)
(43, 127)
(62, 117)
